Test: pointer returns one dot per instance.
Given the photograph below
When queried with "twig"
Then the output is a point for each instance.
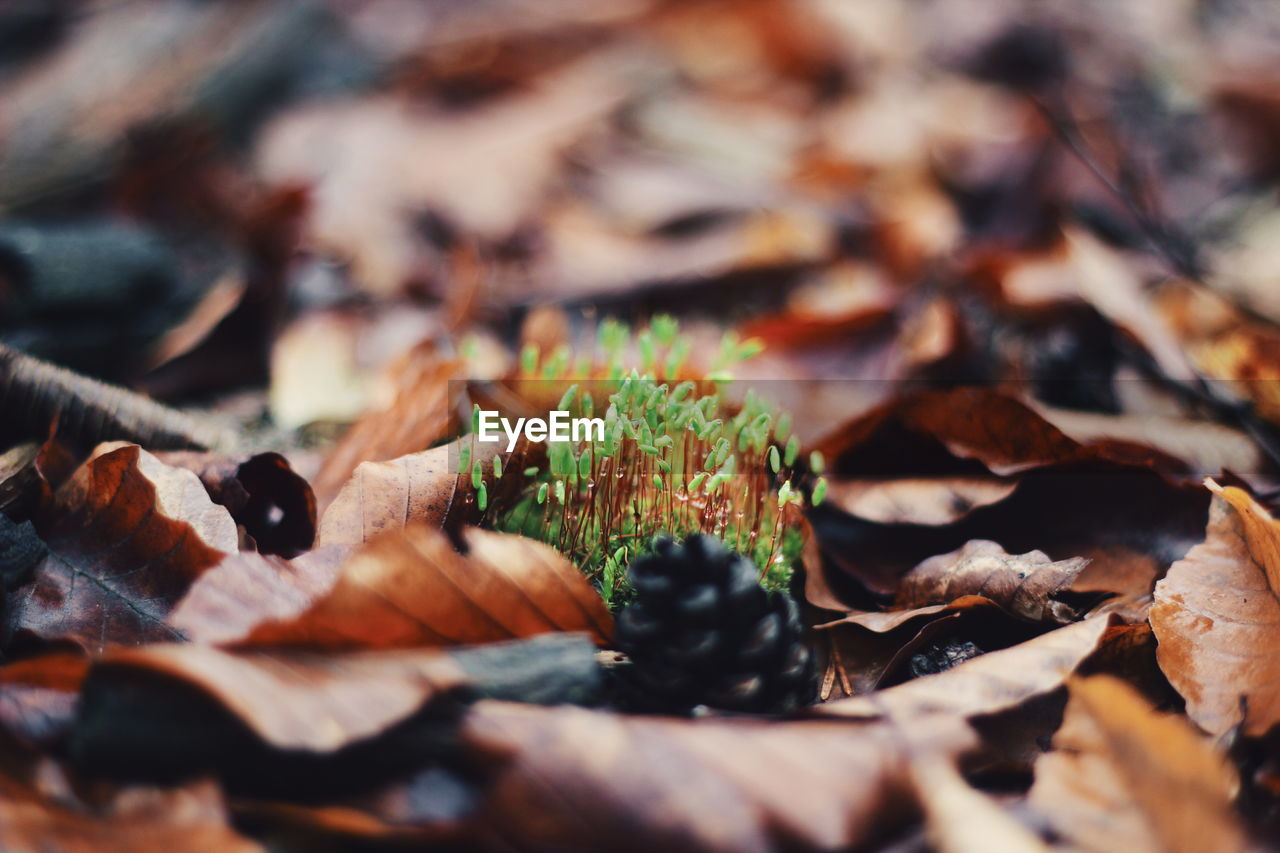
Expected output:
(34, 394)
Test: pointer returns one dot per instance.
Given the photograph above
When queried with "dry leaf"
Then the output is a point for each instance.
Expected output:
(127, 537)
(988, 683)
(960, 819)
(1217, 616)
(247, 588)
(412, 587)
(38, 696)
(1123, 777)
(580, 779)
(917, 500)
(867, 650)
(134, 819)
(1023, 584)
(298, 724)
(298, 700)
(420, 402)
(275, 506)
(1002, 433)
(420, 487)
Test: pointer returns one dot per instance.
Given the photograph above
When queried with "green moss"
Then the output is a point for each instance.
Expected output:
(676, 458)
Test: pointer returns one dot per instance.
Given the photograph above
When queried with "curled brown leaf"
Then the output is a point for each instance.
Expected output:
(127, 536)
(1023, 584)
(1123, 777)
(412, 587)
(1217, 617)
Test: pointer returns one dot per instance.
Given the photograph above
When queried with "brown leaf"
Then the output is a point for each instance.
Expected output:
(1225, 345)
(38, 696)
(126, 537)
(297, 724)
(988, 683)
(19, 480)
(1123, 777)
(228, 601)
(580, 779)
(297, 700)
(867, 650)
(1023, 584)
(1217, 615)
(275, 506)
(1001, 433)
(1128, 521)
(420, 399)
(420, 487)
(917, 500)
(134, 819)
(413, 588)
(1207, 448)
(960, 819)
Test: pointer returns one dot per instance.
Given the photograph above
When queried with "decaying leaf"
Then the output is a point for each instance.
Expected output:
(38, 696)
(420, 487)
(420, 400)
(423, 487)
(989, 683)
(267, 720)
(960, 819)
(870, 649)
(1217, 616)
(247, 588)
(1023, 584)
(127, 537)
(1123, 777)
(917, 500)
(585, 779)
(296, 701)
(1001, 433)
(187, 818)
(263, 494)
(413, 588)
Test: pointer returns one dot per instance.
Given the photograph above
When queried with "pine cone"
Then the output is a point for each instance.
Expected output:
(701, 631)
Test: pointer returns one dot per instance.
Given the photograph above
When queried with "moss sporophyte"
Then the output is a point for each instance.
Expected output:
(658, 455)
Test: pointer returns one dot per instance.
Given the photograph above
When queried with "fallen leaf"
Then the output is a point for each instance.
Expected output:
(412, 587)
(420, 487)
(275, 506)
(19, 479)
(1128, 521)
(917, 500)
(38, 696)
(296, 724)
(994, 429)
(580, 779)
(484, 170)
(420, 404)
(960, 819)
(192, 817)
(247, 588)
(299, 700)
(1023, 584)
(1216, 614)
(988, 683)
(872, 649)
(127, 537)
(1123, 777)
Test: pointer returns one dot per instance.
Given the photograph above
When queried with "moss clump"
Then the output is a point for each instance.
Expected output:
(676, 458)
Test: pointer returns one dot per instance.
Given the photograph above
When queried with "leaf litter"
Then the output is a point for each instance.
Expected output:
(1013, 429)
